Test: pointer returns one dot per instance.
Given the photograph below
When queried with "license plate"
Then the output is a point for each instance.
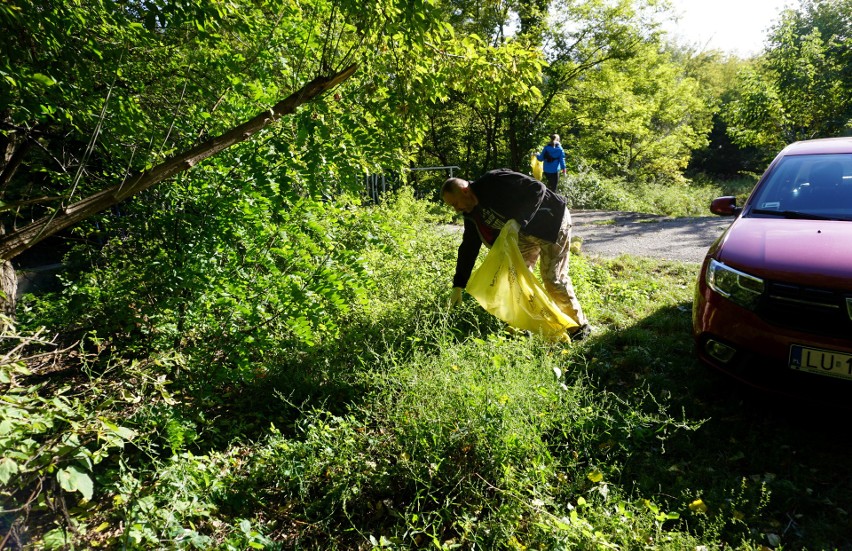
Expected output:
(821, 362)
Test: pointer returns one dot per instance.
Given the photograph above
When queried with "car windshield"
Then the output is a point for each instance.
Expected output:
(807, 186)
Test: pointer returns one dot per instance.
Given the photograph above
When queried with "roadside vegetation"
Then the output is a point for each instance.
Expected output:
(242, 348)
(589, 190)
(399, 424)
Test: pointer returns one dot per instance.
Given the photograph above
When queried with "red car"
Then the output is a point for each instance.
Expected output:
(773, 301)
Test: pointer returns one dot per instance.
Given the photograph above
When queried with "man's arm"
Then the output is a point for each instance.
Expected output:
(468, 251)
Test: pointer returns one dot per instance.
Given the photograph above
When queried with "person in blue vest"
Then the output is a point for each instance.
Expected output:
(545, 230)
(553, 157)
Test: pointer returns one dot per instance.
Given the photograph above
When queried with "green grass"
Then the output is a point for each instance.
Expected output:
(420, 427)
(487, 440)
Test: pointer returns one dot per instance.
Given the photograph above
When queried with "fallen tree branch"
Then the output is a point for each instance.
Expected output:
(23, 238)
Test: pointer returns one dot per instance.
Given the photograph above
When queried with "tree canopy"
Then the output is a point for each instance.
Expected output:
(800, 88)
(101, 100)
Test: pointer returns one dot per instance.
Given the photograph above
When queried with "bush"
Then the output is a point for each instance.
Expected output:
(589, 190)
(403, 425)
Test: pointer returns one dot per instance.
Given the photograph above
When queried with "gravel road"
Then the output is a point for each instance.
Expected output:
(610, 234)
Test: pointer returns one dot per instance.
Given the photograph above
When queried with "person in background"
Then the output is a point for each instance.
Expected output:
(553, 157)
(545, 230)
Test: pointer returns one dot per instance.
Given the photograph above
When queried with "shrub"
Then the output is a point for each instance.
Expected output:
(588, 190)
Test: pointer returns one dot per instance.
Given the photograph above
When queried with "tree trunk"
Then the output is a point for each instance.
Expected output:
(21, 239)
(9, 284)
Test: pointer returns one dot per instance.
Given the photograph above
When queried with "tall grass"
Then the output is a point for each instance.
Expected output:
(424, 428)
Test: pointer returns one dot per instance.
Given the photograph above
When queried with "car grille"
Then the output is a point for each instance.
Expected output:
(806, 309)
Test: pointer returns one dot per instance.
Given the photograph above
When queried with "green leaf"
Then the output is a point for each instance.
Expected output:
(44, 79)
(8, 467)
(123, 432)
(6, 426)
(72, 479)
(55, 539)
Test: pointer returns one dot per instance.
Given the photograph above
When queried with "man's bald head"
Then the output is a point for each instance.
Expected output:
(458, 194)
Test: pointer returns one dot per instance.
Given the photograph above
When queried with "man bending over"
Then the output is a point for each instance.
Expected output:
(502, 195)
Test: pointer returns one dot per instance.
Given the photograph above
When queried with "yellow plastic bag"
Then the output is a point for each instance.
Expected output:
(506, 288)
(537, 168)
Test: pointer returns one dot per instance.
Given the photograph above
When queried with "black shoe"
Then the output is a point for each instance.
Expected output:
(581, 332)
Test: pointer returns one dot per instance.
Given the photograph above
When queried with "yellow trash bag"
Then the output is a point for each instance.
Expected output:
(537, 168)
(506, 288)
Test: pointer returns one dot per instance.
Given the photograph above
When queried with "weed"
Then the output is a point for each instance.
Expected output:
(397, 424)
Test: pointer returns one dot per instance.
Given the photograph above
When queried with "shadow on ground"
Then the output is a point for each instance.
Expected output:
(780, 457)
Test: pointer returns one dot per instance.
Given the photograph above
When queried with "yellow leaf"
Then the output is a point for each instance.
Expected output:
(595, 476)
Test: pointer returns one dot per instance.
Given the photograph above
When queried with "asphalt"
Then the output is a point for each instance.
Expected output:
(610, 234)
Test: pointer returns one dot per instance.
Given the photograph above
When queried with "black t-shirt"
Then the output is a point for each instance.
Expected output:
(505, 195)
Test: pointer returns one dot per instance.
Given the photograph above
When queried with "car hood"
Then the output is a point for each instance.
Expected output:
(812, 252)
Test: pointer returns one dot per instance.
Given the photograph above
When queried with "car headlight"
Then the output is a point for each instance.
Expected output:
(740, 287)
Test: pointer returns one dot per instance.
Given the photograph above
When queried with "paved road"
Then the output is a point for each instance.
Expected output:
(610, 234)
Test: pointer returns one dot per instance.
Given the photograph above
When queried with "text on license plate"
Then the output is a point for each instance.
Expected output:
(821, 362)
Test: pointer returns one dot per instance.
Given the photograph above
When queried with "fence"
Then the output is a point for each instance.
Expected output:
(378, 184)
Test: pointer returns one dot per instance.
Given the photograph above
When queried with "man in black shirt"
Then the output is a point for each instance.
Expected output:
(502, 195)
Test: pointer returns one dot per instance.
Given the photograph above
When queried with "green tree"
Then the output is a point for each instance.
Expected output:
(500, 126)
(639, 119)
(102, 100)
(717, 76)
(800, 88)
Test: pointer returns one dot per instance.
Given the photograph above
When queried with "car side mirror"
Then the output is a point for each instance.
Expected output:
(725, 206)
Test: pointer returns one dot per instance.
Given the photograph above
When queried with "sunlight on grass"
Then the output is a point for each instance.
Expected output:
(416, 426)
(469, 435)
(590, 191)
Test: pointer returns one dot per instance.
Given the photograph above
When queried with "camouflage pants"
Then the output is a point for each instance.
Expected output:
(554, 267)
